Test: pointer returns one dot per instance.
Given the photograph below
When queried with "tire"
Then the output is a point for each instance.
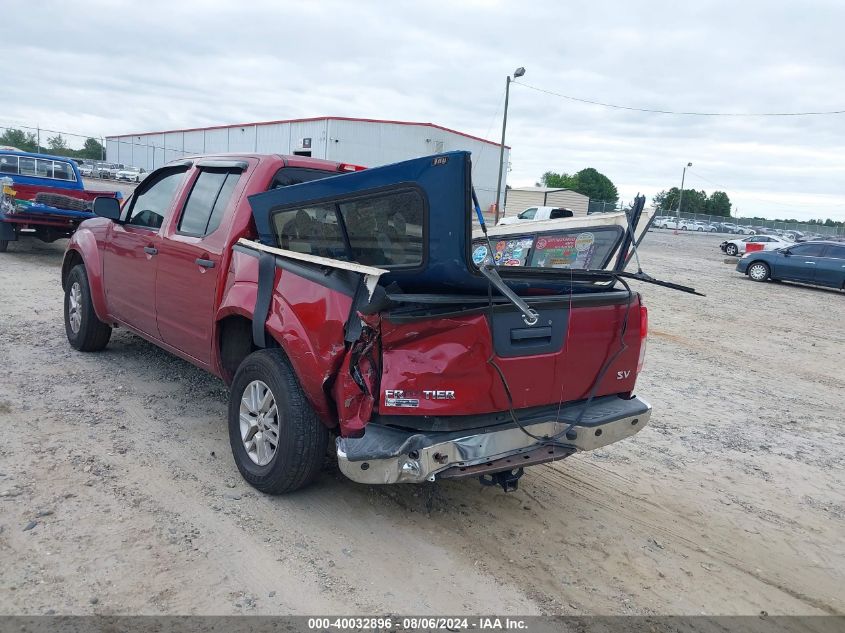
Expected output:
(300, 436)
(85, 332)
(731, 249)
(699, 229)
(758, 271)
(4, 246)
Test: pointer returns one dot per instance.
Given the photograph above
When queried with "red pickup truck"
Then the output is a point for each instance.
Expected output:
(356, 306)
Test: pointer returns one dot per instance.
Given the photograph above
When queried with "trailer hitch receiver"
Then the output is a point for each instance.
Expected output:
(507, 479)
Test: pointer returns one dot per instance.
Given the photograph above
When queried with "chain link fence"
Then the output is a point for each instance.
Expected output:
(724, 224)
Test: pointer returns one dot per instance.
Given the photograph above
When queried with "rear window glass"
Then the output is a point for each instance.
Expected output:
(379, 230)
(287, 176)
(574, 248)
(311, 230)
(385, 230)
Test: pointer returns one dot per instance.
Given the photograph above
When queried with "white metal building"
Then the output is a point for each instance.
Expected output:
(521, 198)
(367, 142)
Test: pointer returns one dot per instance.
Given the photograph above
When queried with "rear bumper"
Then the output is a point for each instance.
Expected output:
(387, 455)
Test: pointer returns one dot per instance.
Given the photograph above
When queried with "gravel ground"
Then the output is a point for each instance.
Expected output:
(118, 494)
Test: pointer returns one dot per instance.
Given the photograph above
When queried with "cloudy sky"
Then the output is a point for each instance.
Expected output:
(102, 68)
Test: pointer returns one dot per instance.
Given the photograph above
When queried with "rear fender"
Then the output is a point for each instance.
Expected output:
(305, 319)
(83, 249)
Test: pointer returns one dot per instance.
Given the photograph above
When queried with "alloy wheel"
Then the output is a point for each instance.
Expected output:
(75, 307)
(259, 422)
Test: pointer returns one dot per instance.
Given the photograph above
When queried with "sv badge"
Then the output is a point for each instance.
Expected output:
(622, 375)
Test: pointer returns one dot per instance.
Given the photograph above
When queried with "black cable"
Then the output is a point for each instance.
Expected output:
(658, 111)
(596, 382)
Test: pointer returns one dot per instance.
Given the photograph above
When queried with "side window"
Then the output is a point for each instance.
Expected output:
(528, 214)
(808, 250)
(63, 171)
(207, 202)
(836, 252)
(27, 166)
(150, 206)
(44, 168)
(8, 164)
(386, 230)
(560, 213)
(311, 230)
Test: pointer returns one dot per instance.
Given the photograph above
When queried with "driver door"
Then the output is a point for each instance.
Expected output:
(129, 257)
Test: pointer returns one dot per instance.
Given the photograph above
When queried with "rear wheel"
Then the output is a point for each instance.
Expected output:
(278, 442)
(731, 249)
(84, 330)
(758, 271)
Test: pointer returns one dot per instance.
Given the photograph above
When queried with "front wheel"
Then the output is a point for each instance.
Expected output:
(731, 249)
(278, 442)
(84, 330)
(758, 271)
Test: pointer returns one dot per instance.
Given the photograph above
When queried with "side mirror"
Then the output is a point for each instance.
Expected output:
(785, 252)
(108, 208)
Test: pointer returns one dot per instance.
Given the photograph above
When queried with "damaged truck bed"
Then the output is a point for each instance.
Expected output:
(357, 308)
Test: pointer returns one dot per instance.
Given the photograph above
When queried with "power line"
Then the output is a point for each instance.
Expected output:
(788, 205)
(660, 111)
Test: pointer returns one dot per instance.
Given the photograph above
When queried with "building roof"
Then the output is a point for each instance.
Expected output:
(305, 120)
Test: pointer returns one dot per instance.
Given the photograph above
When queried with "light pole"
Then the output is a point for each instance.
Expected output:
(681, 196)
(519, 72)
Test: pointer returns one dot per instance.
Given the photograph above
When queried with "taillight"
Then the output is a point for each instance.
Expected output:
(643, 336)
(349, 167)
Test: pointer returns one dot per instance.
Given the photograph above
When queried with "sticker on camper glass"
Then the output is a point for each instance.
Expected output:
(479, 255)
(584, 241)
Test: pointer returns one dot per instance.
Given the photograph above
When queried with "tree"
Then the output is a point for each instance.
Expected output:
(593, 183)
(718, 204)
(589, 182)
(57, 144)
(694, 201)
(92, 149)
(558, 181)
(25, 141)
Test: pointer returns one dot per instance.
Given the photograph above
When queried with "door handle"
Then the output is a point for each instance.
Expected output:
(205, 263)
(813, 263)
(150, 250)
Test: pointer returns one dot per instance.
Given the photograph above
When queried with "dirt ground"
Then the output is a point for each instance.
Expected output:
(118, 493)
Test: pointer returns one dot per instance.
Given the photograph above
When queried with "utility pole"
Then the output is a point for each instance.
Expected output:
(519, 72)
(681, 196)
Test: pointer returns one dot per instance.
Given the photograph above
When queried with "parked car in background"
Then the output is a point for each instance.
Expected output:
(675, 223)
(86, 170)
(817, 263)
(130, 175)
(42, 196)
(754, 243)
(702, 227)
(537, 214)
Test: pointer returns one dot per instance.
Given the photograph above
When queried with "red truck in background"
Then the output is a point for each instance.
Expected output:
(356, 306)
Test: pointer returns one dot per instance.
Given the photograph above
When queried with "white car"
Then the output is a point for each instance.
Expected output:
(130, 175)
(86, 170)
(536, 214)
(761, 243)
(674, 223)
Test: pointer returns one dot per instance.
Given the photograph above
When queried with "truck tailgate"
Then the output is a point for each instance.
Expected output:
(469, 363)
